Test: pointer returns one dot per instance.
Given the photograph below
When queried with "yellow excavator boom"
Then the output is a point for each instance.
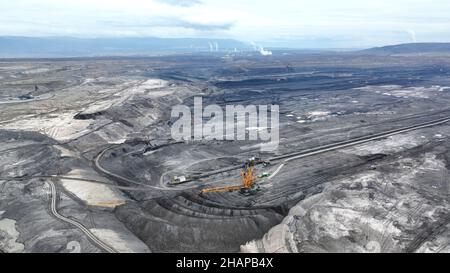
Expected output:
(223, 189)
(247, 178)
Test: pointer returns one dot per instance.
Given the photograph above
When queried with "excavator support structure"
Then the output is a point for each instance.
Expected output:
(247, 178)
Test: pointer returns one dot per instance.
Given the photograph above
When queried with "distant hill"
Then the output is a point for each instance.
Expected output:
(26, 47)
(416, 48)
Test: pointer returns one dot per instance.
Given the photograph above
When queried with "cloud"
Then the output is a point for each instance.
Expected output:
(205, 27)
(169, 22)
(180, 3)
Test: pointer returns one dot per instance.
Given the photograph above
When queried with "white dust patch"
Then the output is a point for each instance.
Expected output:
(15, 67)
(125, 94)
(86, 174)
(391, 144)
(153, 84)
(430, 163)
(278, 239)
(87, 81)
(64, 152)
(134, 87)
(9, 236)
(152, 87)
(267, 146)
(314, 115)
(251, 247)
(114, 133)
(404, 92)
(61, 127)
(120, 242)
(94, 194)
(102, 105)
(36, 71)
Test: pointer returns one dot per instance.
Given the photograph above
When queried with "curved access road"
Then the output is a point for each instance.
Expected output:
(114, 176)
(87, 232)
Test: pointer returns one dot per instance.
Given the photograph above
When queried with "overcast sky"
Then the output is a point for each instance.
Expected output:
(293, 23)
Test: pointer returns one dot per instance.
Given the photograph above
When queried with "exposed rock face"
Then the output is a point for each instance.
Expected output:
(399, 207)
(188, 223)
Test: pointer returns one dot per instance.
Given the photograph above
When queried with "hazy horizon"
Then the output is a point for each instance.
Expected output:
(249, 45)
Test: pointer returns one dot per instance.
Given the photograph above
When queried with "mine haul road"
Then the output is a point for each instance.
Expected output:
(349, 143)
(120, 179)
(87, 232)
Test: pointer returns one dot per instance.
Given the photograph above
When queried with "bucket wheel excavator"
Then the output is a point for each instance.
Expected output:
(248, 186)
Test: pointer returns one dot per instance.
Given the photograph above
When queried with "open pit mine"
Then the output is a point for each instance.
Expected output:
(88, 162)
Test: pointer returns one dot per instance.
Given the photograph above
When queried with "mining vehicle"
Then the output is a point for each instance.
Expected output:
(248, 186)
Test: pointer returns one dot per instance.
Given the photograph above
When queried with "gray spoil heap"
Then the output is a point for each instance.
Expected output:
(192, 223)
